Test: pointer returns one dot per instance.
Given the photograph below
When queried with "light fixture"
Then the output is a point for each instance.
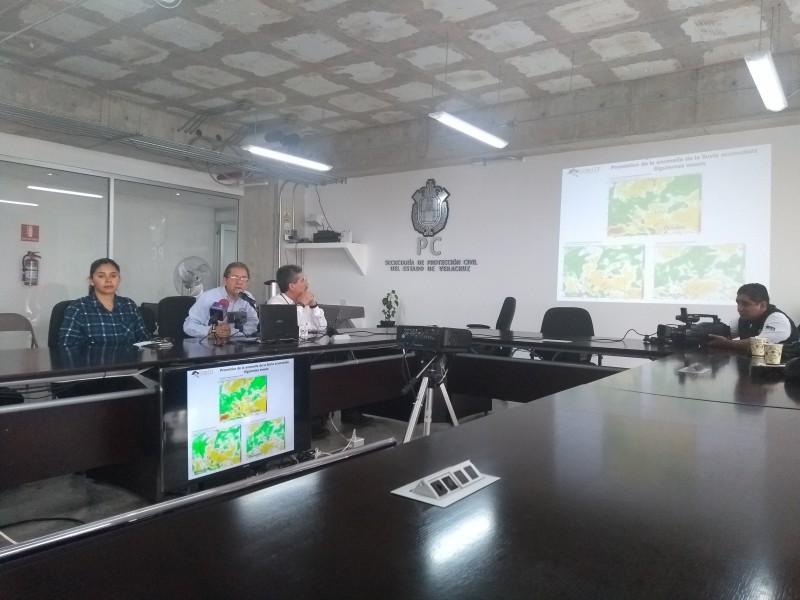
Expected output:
(21, 203)
(765, 76)
(287, 158)
(58, 191)
(479, 134)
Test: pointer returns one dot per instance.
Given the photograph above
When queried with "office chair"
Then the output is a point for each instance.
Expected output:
(149, 312)
(56, 317)
(504, 320)
(17, 322)
(566, 322)
(172, 312)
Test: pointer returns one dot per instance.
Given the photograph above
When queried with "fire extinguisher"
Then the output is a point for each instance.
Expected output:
(30, 268)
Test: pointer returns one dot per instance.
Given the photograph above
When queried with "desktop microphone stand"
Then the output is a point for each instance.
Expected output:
(433, 370)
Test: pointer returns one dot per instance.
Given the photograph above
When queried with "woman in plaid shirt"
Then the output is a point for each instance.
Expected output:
(102, 317)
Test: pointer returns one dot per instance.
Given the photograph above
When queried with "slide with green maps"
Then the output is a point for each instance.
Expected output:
(677, 229)
(214, 449)
(263, 438)
(654, 205)
(596, 271)
(698, 272)
(242, 396)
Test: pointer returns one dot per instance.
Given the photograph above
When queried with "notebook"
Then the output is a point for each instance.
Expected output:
(278, 323)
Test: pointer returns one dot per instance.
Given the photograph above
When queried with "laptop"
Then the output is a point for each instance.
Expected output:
(278, 323)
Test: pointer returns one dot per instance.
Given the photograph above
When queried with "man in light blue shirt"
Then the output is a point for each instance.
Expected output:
(235, 280)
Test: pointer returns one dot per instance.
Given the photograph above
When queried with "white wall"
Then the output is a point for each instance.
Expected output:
(506, 215)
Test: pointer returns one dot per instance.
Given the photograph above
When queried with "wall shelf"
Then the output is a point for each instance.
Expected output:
(357, 253)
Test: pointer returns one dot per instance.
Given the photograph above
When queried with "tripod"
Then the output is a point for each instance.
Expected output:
(432, 371)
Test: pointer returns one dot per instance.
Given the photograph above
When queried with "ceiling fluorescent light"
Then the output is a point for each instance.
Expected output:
(470, 130)
(15, 202)
(287, 158)
(58, 191)
(765, 76)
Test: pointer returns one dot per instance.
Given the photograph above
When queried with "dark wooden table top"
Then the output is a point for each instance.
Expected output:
(730, 378)
(631, 347)
(34, 363)
(604, 493)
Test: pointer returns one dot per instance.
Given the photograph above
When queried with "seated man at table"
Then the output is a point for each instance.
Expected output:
(232, 295)
(310, 317)
(757, 317)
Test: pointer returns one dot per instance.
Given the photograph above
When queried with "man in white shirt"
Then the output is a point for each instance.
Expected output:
(757, 317)
(310, 317)
(294, 290)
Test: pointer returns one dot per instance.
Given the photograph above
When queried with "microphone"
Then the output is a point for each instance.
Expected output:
(215, 313)
(224, 303)
(246, 297)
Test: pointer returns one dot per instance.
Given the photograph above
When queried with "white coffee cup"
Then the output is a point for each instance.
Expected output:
(772, 353)
(757, 346)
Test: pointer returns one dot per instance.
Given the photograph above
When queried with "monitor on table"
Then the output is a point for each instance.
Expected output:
(224, 420)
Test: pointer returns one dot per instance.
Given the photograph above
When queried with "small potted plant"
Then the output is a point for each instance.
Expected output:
(389, 310)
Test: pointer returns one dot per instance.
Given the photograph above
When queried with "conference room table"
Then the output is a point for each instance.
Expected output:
(602, 493)
(117, 433)
(712, 376)
(632, 347)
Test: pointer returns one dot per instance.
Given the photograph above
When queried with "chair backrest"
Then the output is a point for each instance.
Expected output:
(506, 314)
(566, 322)
(149, 312)
(17, 322)
(172, 312)
(56, 317)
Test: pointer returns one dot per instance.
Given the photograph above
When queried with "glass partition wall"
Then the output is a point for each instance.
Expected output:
(171, 242)
(54, 223)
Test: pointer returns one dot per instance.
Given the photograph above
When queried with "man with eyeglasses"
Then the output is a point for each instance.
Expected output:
(310, 318)
(204, 317)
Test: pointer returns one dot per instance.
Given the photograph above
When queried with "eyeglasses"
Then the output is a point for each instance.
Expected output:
(241, 278)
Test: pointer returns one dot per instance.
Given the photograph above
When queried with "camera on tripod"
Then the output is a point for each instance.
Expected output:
(692, 333)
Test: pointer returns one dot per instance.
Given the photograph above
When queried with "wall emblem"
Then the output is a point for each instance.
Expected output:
(430, 209)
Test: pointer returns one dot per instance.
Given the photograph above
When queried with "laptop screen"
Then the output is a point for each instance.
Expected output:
(278, 322)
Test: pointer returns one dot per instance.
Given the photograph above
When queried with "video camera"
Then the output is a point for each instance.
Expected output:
(692, 333)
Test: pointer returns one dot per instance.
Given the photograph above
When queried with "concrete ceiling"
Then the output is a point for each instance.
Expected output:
(346, 73)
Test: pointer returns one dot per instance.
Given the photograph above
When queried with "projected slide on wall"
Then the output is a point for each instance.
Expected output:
(669, 229)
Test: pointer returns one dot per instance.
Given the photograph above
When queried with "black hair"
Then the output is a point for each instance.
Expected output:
(755, 291)
(99, 263)
(235, 265)
(286, 275)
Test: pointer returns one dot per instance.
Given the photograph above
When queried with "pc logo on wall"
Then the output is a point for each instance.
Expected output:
(429, 213)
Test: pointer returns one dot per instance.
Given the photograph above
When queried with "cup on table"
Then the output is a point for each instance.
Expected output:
(772, 353)
(757, 346)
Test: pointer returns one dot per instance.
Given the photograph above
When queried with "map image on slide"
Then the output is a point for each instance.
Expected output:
(597, 271)
(654, 206)
(214, 449)
(242, 397)
(698, 272)
(263, 438)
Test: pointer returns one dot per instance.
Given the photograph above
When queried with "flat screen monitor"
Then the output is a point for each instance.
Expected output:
(225, 419)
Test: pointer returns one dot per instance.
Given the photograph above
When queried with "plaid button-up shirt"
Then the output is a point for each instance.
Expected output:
(87, 322)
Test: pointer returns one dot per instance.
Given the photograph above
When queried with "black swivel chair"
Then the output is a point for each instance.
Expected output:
(504, 320)
(56, 317)
(172, 312)
(149, 312)
(566, 322)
